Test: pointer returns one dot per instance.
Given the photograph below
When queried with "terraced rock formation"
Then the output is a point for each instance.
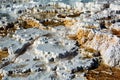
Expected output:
(60, 40)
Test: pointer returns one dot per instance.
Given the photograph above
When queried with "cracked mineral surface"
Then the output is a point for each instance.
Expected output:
(59, 40)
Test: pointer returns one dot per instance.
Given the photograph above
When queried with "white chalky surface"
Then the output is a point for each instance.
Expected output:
(38, 54)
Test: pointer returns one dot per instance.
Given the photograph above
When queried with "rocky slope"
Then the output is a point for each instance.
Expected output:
(59, 40)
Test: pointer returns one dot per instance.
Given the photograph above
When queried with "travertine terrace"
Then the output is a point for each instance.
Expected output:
(59, 40)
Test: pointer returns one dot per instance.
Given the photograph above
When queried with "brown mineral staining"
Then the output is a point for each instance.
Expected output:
(61, 15)
(21, 75)
(58, 22)
(52, 23)
(108, 24)
(103, 72)
(115, 29)
(0, 77)
(3, 54)
(73, 37)
(74, 15)
(91, 50)
(116, 32)
(9, 29)
(29, 22)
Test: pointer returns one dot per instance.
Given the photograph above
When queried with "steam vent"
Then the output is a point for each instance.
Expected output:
(59, 39)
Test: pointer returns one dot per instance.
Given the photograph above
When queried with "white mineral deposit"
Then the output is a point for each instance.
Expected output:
(59, 39)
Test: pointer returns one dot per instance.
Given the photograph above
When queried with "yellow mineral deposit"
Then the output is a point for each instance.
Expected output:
(69, 23)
